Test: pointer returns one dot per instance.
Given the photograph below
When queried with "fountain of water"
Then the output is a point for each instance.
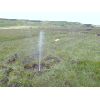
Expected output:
(40, 47)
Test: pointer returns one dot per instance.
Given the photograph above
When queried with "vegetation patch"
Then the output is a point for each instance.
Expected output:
(74, 60)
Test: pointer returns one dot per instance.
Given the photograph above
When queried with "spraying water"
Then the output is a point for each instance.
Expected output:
(41, 43)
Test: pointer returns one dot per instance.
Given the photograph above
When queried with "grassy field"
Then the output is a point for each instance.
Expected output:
(74, 60)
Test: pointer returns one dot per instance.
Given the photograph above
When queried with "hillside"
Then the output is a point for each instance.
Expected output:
(15, 22)
(21, 22)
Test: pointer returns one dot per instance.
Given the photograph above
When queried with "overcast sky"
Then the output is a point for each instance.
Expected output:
(84, 11)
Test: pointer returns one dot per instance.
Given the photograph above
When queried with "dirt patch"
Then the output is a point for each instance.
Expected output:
(4, 80)
(31, 67)
(49, 61)
(46, 63)
(98, 34)
(75, 61)
(12, 59)
(6, 72)
(3, 67)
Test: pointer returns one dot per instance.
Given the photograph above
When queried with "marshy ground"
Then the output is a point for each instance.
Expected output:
(74, 60)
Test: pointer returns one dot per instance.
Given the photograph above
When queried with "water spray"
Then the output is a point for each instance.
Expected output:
(41, 43)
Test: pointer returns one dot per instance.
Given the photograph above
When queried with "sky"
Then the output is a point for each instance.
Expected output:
(84, 11)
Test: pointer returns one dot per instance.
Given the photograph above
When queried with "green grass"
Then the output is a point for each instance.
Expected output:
(79, 55)
(15, 22)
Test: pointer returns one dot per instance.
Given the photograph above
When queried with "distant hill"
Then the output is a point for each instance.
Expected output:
(21, 22)
(16, 22)
(63, 24)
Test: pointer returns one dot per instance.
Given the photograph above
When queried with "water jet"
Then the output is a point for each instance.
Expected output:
(40, 47)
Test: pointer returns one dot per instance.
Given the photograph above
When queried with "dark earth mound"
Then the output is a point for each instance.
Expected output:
(46, 63)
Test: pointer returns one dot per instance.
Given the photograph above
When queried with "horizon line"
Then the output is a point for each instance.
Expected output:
(29, 19)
